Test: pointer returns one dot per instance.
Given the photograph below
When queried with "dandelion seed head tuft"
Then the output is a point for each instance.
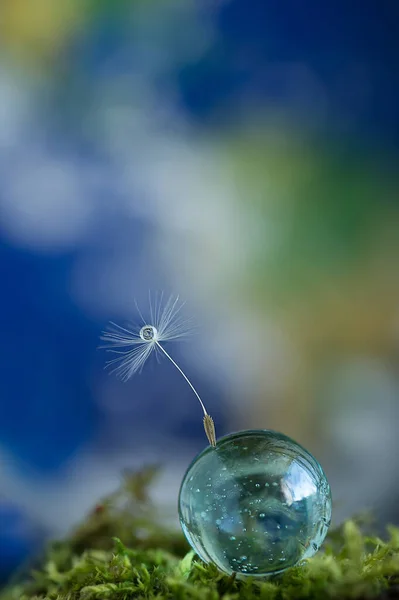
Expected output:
(133, 345)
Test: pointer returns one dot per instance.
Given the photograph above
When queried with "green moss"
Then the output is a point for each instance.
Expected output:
(123, 551)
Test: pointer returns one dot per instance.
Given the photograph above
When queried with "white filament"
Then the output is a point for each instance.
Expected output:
(184, 375)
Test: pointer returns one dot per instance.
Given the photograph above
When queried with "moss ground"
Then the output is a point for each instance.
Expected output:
(122, 551)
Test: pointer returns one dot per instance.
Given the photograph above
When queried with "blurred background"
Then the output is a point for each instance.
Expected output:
(241, 153)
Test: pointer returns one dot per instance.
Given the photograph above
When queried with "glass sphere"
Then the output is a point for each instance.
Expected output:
(256, 504)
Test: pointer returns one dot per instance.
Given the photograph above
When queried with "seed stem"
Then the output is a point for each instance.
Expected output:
(208, 421)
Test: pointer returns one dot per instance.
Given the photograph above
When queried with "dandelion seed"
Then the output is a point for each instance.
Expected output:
(134, 346)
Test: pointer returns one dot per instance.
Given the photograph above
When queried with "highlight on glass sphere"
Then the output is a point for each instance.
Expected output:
(257, 504)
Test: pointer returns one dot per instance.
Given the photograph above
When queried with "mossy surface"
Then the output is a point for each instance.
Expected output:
(123, 551)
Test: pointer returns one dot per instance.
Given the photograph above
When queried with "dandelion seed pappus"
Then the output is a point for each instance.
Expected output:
(134, 346)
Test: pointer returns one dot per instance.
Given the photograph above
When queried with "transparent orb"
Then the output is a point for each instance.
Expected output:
(148, 333)
(256, 504)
